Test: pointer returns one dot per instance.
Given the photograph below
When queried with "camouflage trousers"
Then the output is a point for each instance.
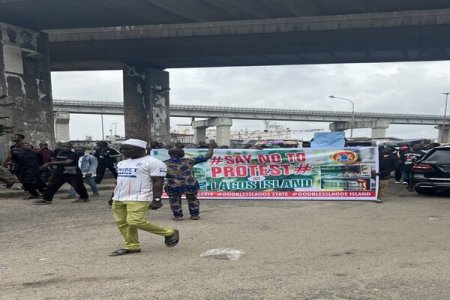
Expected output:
(193, 204)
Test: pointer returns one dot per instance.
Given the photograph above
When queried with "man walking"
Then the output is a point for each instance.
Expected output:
(107, 158)
(29, 162)
(66, 171)
(88, 166)
(47, 155)
(140, 181)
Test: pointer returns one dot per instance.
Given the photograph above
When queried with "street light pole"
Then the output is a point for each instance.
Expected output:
(352, 125)
(115, 128)
(103, 130)
(445, 116)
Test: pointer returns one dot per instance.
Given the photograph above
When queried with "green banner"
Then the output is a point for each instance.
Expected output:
(289, 173)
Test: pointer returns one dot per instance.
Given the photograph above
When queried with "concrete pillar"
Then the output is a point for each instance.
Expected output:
(379, 129)
(62, 130)
(339, 126)
(199, 134)
(443, 135)
(146, 103)
(25, 86)
(223, 134)
(223, 126)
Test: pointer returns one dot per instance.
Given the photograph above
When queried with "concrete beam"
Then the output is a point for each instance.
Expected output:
(262, 26)
(414, 35)
(344, 125)
(223, 126)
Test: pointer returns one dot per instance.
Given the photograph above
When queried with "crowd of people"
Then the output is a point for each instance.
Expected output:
(41, 171)
(141, 179)
(399, 160)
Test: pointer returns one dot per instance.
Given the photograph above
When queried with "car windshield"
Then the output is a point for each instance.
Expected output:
(441, 156)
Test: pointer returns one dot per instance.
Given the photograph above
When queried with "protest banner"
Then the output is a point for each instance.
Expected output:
(290, 173)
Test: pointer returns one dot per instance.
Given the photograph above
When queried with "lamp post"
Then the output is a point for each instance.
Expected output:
(103, 130)
(111, 138)
(352, 125)
(445, 116)
(115, 129)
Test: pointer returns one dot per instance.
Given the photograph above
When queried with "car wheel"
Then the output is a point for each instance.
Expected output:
(425, 191)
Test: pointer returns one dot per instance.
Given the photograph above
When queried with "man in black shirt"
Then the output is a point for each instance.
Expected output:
(29, 162)
(67, 170)
(107, 158)
(410, 158)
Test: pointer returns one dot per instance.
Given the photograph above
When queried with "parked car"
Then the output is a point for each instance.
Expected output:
(432, 172)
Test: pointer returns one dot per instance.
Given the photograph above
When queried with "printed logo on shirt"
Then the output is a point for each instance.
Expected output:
(126, 172)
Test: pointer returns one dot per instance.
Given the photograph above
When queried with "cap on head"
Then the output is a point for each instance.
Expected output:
(135, 142)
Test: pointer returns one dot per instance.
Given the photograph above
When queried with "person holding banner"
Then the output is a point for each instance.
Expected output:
(389, 162)
(181, 180)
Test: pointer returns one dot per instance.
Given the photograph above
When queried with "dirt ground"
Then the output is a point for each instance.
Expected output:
(293, 250)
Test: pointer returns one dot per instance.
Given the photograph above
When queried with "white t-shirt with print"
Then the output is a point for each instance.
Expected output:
(134, 181)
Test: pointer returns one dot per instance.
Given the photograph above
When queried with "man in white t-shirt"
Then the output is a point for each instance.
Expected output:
(140, 181)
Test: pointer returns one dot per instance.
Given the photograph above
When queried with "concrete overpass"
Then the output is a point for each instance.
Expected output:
(99, 35)
(143, 38)
(221, 116)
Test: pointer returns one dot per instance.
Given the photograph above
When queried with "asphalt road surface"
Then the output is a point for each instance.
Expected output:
(293, 250)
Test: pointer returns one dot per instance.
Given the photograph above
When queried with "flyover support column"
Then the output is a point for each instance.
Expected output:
(146, 103)
(199, 134)
(25, 86)
(443, 135)
(200, 130)
(223, 129)
(62, 132)
(223, 126)
(379, 129)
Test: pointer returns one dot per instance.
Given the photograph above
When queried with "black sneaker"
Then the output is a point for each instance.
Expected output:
(172, 241)
(155, 204)
(42, 201)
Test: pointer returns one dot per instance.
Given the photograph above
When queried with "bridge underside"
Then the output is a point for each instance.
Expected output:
(318, 47)
(205, 33)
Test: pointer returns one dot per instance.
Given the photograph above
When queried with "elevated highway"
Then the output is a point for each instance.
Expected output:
(222, 117)
(203, 111)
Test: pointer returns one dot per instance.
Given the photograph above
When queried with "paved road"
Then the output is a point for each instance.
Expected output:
(293, 250)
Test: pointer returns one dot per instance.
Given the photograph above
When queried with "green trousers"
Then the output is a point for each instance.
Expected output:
(382, 187)
(130, 216)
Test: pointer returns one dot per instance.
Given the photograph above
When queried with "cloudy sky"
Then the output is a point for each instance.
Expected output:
(414, 88)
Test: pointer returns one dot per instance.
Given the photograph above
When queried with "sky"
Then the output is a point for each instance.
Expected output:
(413, 87)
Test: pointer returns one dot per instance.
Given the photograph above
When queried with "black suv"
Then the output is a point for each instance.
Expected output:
(432, 172)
